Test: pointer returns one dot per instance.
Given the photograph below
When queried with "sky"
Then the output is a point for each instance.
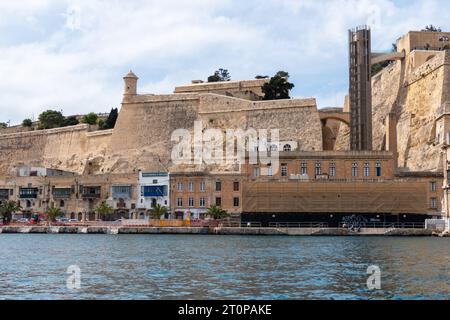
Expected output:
(71, 55)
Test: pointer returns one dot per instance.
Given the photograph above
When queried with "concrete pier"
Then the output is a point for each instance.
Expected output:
(215, 231)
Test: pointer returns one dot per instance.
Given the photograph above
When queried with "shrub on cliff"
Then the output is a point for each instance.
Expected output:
(110, 122)
(27, 123)
(278, 87)
(3, 125)
(220, 76)
(70, 121)
(432, 28)
(90, 118)
(50, 119)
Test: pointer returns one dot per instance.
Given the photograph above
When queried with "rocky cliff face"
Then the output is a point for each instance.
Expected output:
(417, 98)
(70, 149)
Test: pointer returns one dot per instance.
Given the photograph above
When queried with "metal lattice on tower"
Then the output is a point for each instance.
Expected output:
(360, 95)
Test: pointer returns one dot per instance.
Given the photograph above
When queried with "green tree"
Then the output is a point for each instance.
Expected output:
(282, 74)
(110, 122)
(432, 28)
(104, 210)
(278, 87)
(53, 213)
(217, 213)
(70, 121)
(157, 211)
(27, 123)
(3, 125)
(50, 119)
(90, 118)
(7, 209)
(219, 76)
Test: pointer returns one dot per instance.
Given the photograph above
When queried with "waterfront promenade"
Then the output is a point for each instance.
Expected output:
(258, 231)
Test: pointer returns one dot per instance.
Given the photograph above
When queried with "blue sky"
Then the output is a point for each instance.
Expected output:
(71, 55)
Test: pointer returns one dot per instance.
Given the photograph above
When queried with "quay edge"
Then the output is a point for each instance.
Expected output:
(216, 231)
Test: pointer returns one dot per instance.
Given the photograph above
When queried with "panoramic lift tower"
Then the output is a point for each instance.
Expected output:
(360, 93)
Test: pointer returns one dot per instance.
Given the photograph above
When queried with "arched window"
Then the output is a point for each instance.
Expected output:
(318, 168)
(378, 169)
(354, 169)
(332, 169)
(366, 169)
(287, 148)
(61, 204)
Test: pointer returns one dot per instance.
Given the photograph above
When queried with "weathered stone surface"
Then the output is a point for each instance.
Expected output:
(418, 97)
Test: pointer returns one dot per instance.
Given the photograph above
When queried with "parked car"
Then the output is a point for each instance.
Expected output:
(23, 220)
(73, 220)
(62, 219)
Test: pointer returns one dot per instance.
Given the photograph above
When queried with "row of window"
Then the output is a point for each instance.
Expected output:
(318, 169)
(218, 186)
(192, 202)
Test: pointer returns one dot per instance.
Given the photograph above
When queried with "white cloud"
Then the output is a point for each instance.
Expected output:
(72, 54)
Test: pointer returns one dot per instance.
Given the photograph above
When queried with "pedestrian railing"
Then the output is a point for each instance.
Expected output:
(384, 225)
(298, 225)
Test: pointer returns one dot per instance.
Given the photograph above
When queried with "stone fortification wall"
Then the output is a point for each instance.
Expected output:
(142, 136)
(418, 98)
(67, 149)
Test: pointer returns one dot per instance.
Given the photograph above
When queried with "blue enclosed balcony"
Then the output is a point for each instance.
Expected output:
(121, 192)
(154, 191)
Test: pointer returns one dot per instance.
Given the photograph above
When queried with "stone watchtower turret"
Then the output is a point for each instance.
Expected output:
(130, 84)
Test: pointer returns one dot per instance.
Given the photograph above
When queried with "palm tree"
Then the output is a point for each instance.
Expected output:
(104, 210)
(157, 211)
(7, 209)
(217, 213)
(53, 213)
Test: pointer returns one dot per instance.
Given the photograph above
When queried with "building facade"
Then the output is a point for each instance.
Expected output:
(193, 193)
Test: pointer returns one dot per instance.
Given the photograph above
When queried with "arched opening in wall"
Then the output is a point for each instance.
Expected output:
(331, 128)
(91, 216)
(329, 138)
(80, 216)
(72, 215)
(121, 214)
(287, 148)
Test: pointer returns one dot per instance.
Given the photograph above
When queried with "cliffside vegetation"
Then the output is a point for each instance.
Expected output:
(220, 76)
(278, 87)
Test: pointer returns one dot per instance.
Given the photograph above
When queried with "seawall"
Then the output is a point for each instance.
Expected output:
(215, 231)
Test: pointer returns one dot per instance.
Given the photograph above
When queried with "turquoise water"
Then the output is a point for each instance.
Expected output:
(222, 267)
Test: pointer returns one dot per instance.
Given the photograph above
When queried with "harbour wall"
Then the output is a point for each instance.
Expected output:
(215, 231)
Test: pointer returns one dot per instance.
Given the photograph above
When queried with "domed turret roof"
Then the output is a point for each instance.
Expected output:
(130, 75)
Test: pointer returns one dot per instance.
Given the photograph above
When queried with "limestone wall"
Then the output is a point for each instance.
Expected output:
(142, 136)
(67, 148)
(418, 98)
